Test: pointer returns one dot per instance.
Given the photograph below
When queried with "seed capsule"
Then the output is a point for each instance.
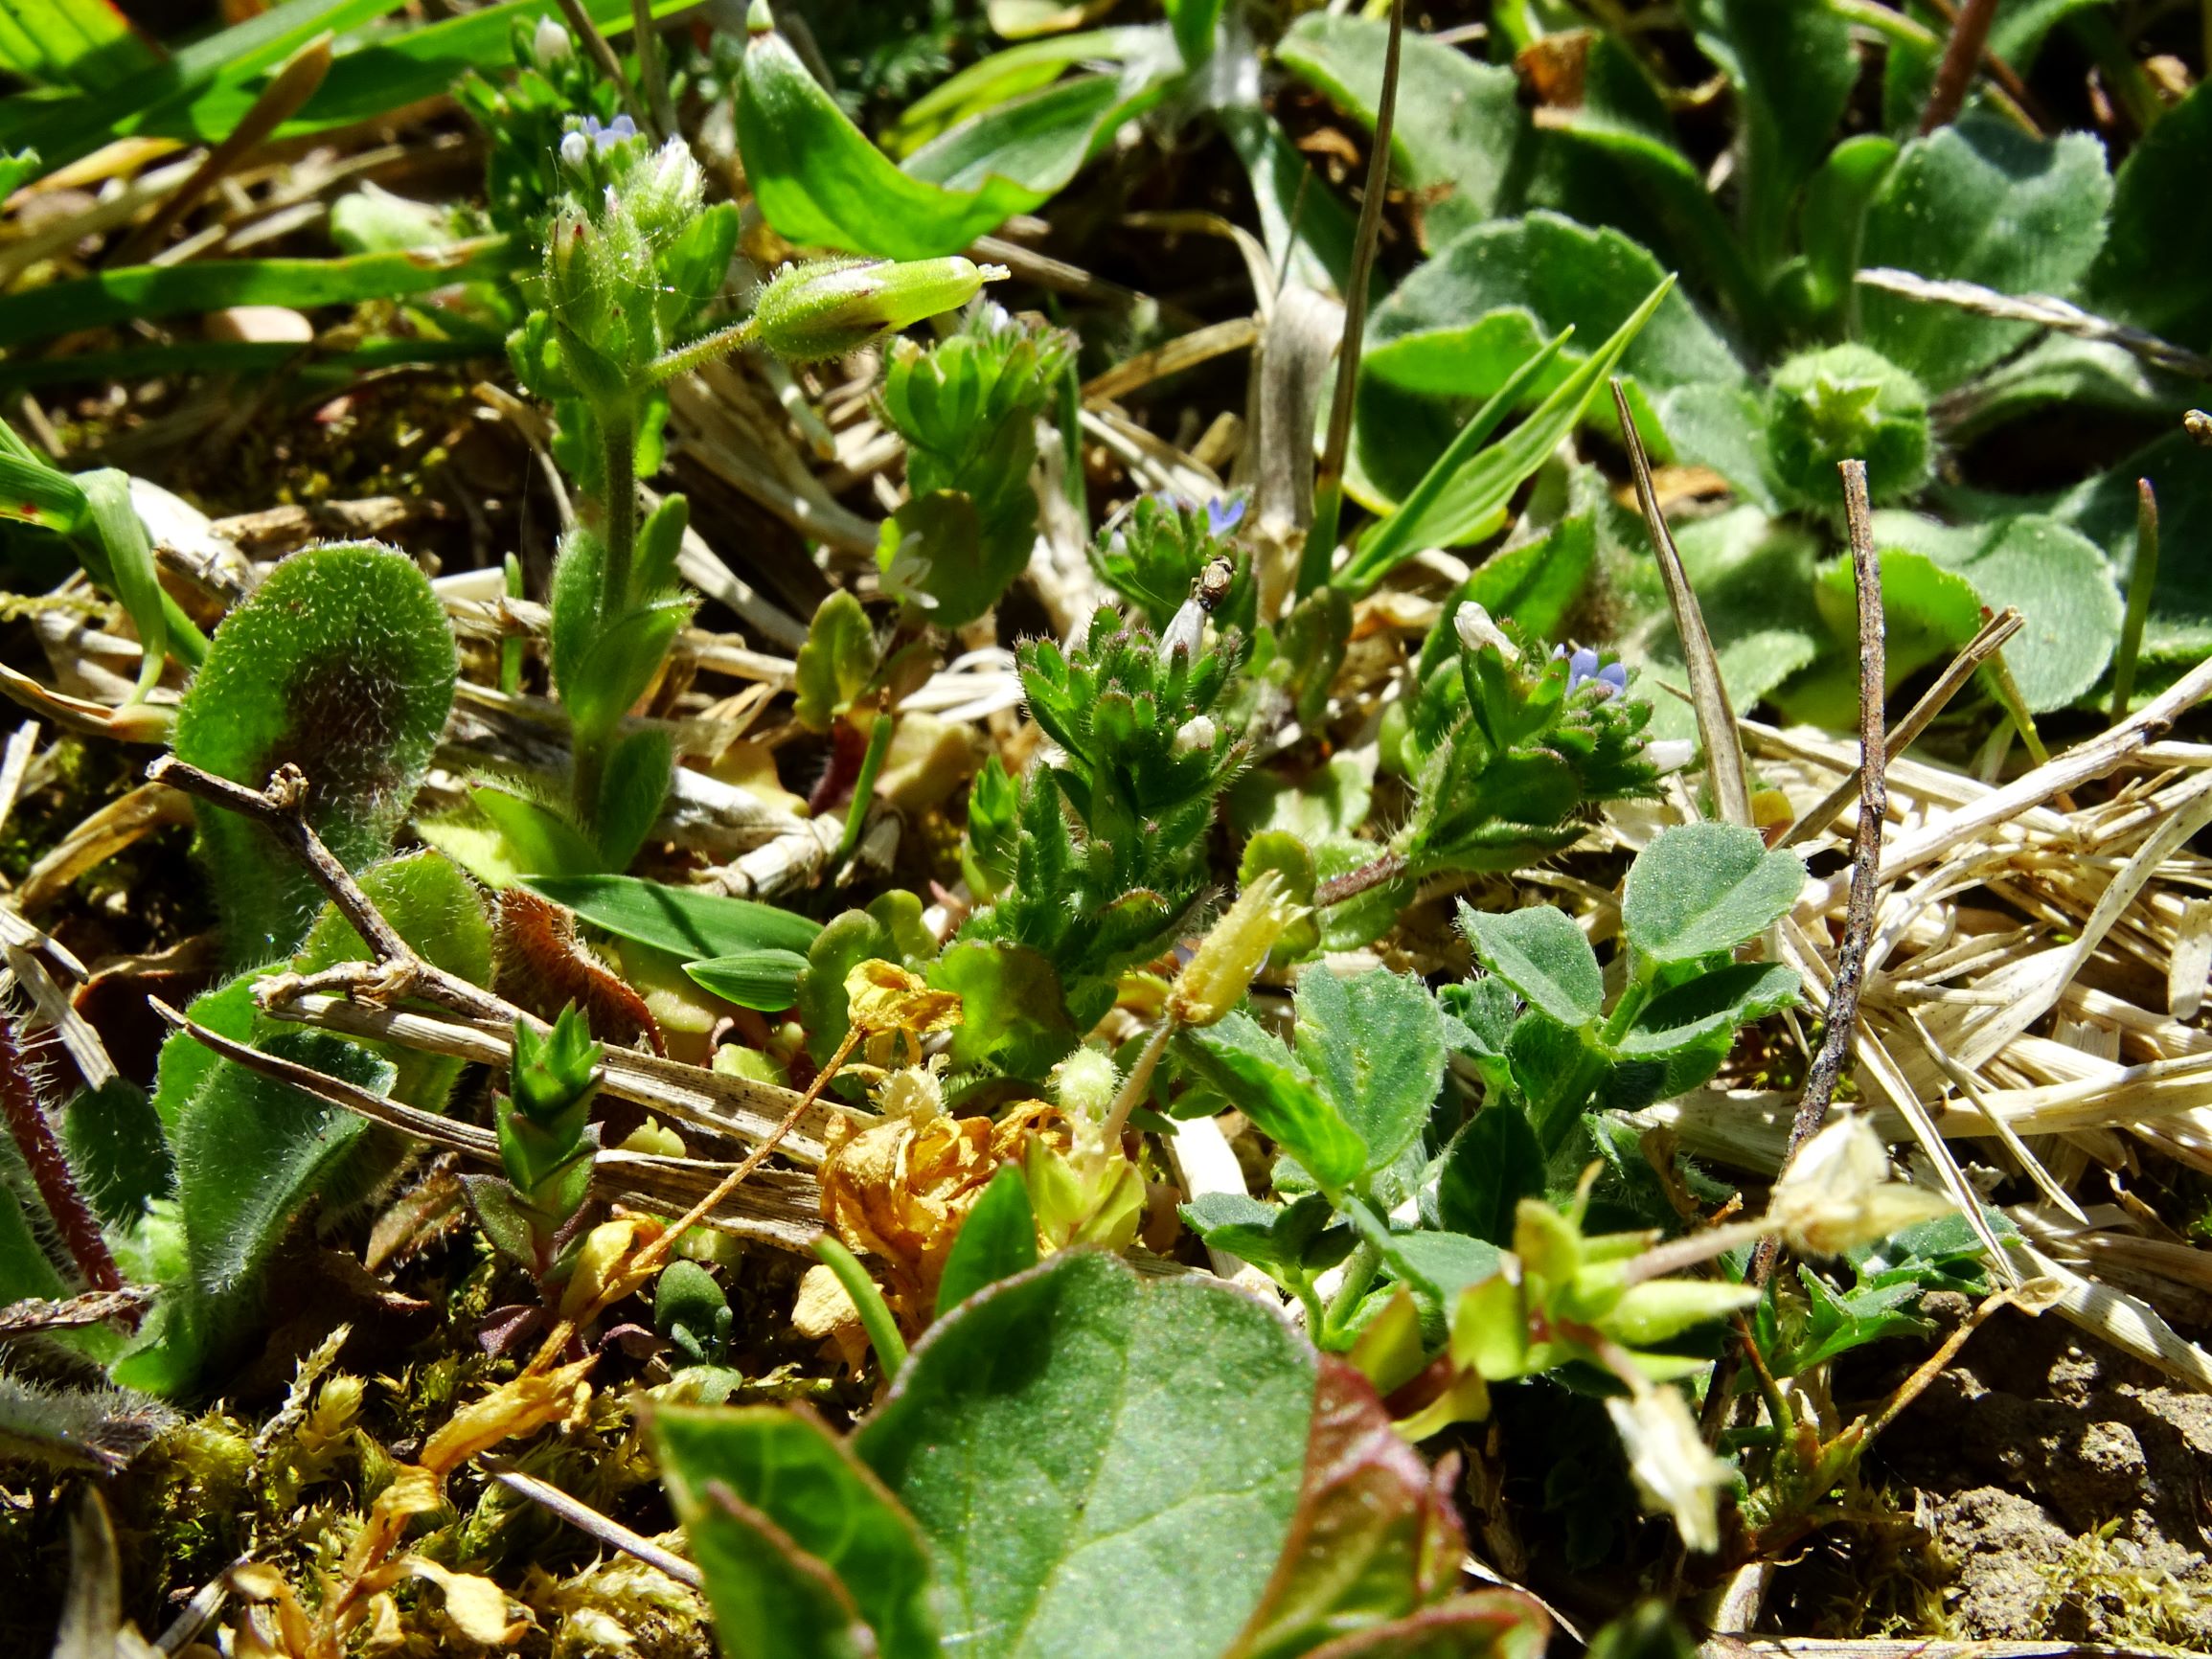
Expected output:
(834, 307)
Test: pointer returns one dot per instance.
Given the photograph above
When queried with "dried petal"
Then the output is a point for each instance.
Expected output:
(881, 996)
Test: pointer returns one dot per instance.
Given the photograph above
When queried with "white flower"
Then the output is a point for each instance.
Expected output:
(1673, 1467)
(550, 44)
(1838, 1194)
(574, 147)
(1195, 735)
(1670, 753)
(1475, 630)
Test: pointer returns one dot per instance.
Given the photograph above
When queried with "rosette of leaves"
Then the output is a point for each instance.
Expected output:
(1098, 858)
(968, 408)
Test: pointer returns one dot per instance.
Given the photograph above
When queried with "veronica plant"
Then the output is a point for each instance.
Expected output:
(1098, 858)
(634, 260)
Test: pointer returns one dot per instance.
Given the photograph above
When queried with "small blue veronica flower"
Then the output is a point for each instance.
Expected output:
(605, 138)
(1223, 516)
(1583, 666)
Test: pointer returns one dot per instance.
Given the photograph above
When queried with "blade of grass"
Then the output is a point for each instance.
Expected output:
(1468, 500)
(1708, 693)
(2142, 577)
(1329, 480)
(875, 1315)
(141, 292)
(329, 369)
(1393, 540)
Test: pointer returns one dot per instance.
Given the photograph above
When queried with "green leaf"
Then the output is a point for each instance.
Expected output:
(85, 44)
(844, 1570)
(1012, 1017)
(2063, 589)
(1464, 497)
(1699, 888)
(1307, 230)
(1979, 201)
(1003, 76)
(1194, 22)
(1835, 218)
(1459, 121)
(820, 182)
(1244, 1063)
(1179, 1413)
(1792, 67)
(251, 1153)
(685, 922)
(1376, 1042)
(1489, 1167)
(997, 1240)
(837, 661)
(117, 1151)
(636, 782)
(1541, 954)
(340, 663)
(1439, 1264)
(1460, 324)
(1711, 1004)
(2103, 508)
(24, 1268)
(533, 840)
(2155, 268)
(123, 565)
(144, 292)
(766, 980)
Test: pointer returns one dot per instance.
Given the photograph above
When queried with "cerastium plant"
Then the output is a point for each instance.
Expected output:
(634, 262)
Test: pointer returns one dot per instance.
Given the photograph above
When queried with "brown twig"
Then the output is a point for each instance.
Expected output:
(1354, 882)
(397, 971)
(73, 1217)
(1961, 57)
(1933, 702)
(1708, 693)
(1866, 845)
(288, 91)
(1329, 479)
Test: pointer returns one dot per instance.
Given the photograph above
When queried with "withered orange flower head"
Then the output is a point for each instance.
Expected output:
(896, 1189)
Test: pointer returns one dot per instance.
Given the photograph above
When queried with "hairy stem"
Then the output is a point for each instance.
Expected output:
(73, 1217)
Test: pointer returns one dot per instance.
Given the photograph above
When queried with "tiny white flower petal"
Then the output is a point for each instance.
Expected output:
(1475, 630)
(1670, 753)
(1670, 1464)
(574, 149)
(550, 44)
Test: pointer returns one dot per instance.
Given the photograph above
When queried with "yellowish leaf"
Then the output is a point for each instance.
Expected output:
(521, 1406)
(477, 1605)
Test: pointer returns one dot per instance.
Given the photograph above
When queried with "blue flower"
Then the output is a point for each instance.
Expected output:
(1583, 666)
(605, 138)
(1224, 516)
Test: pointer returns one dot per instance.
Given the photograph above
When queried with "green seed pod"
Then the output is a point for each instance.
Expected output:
(834, 307)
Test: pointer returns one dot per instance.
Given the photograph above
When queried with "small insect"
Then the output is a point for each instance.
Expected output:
(1212, 587)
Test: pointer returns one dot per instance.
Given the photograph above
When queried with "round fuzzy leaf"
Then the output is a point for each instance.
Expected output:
(1135, 1452)
(1703, 888)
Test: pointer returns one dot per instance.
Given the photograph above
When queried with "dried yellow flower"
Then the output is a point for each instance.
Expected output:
(899, 1188)
(881, 996)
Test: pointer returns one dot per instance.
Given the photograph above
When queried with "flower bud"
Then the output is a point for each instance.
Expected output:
(834, 307)
(1673, 1468)
(1215, 978)
(1197, 735)
(551, 44)
(1475, 630)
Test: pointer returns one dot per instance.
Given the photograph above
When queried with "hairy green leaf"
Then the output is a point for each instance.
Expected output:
(1699, 888)
(1541, 954)
(1180, 1413)
(997, 1240)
